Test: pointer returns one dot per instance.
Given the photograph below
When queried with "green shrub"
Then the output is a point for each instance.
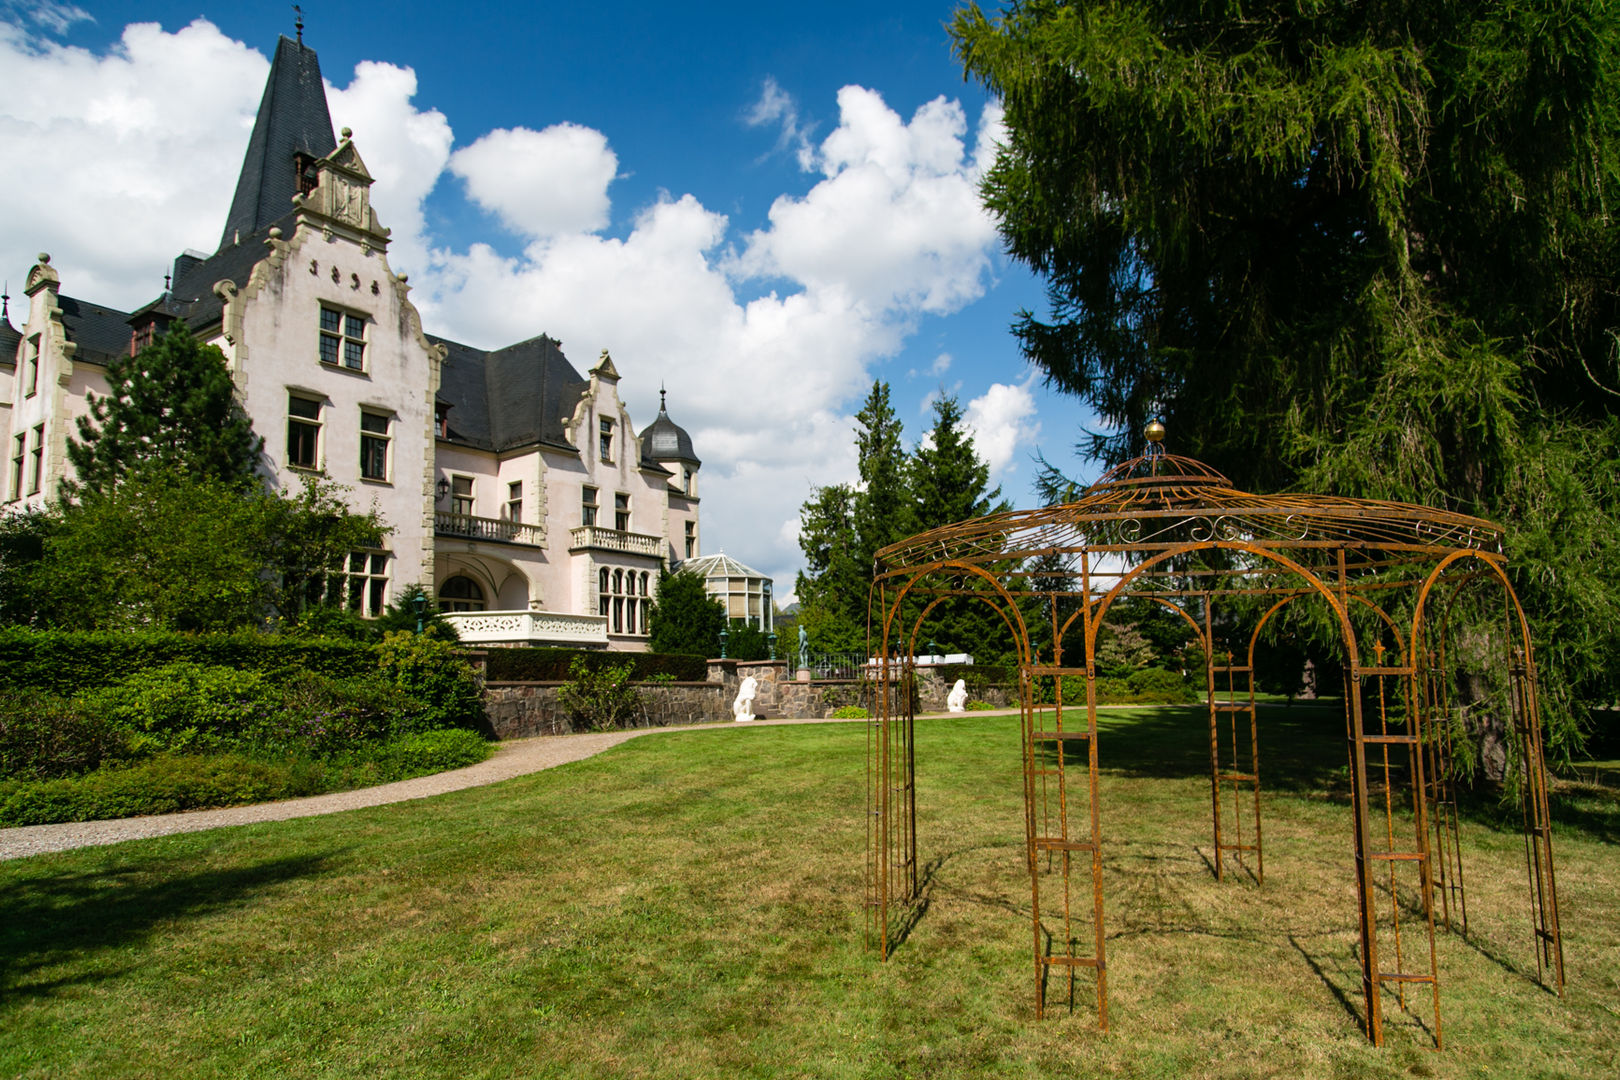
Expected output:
(555, 665)
(165, 784)
(320, 715)
(978, 706)
(183, 707)
(1157, 685)
(43, 737)
(850, 712)
(433, 673)
(599, 698)
(170, 783)
(427, 752)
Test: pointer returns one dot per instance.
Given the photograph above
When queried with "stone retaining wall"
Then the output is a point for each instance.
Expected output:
(520, 709)
(517, 710)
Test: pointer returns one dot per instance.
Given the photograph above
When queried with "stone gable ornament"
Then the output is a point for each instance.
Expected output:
(743, 707)
(957, 701)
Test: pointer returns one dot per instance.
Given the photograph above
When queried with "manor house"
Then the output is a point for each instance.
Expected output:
(516, 488)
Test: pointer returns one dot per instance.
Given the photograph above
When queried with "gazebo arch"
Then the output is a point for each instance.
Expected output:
(1174, 531)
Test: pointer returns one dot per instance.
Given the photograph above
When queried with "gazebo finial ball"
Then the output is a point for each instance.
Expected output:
(1154, 431)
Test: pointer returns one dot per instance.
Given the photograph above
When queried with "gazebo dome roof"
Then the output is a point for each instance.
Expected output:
(1162, 500)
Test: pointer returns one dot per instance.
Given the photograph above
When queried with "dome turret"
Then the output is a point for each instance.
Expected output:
(664, 440)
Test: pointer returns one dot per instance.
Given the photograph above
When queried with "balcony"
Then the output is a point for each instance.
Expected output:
(628, 543)
(480, 528)
(528, 628)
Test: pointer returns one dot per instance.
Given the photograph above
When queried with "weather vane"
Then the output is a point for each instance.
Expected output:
(298, 23)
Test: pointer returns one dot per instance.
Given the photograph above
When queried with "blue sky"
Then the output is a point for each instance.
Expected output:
(763, 206)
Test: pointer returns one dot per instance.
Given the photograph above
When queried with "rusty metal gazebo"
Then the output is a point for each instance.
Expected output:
(1174, 532)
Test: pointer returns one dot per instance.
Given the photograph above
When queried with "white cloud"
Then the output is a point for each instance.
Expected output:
(541, 183)
(941, 364)
(1002, 421)
(115, 163)
(50, 16)
(896, 224)
(405, 149)
(776, 106)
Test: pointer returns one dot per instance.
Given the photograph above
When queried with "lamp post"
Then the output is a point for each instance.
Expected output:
(419, 604)
(770, 640)
(724, 636)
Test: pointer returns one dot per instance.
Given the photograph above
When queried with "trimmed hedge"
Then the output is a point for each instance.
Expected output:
(64, 662)
(169, 783)
(552, 665)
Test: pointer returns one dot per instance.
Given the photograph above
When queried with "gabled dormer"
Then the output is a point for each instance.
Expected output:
(340, 201)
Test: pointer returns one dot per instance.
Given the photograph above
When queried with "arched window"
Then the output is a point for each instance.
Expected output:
(602, 601)
(618, 581)
(461, 593)
(644, 583)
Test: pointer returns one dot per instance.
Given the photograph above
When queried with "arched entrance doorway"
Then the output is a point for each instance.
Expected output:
(1386, 580)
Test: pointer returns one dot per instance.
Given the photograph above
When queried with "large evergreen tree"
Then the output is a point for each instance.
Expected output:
(949, 480)
(841, 528)
(171, 406)
(949, 483)
(1356, 248)
(685, 618)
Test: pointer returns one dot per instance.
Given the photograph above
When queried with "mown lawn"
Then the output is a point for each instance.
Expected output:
(690, 905)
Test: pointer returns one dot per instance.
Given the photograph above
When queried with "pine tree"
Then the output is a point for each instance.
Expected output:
(948, 482)
(172, 406)
(685, 618)
(883, 510)
(841, 530)
(947, 477)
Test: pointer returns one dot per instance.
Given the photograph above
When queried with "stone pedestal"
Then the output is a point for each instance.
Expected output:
(803, 675)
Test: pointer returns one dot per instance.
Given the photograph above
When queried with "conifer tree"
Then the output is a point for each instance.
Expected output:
(685, 618)
(171, 406)
(1359, 249)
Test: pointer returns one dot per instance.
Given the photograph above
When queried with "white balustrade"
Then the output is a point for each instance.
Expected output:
(528, 627)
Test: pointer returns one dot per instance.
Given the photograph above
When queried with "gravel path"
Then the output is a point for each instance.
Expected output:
(517, 757)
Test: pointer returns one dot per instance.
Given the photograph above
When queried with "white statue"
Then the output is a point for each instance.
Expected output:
(957, 702)
(743, 707)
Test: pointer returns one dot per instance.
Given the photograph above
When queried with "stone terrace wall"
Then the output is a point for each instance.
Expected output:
(517, 710)
(520, 709)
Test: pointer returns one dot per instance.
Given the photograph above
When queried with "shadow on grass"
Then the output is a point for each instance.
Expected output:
(1303, 752)
(1302, 746)
(63, 917)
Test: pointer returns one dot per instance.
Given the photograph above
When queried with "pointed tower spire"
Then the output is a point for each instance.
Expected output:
(292, 131)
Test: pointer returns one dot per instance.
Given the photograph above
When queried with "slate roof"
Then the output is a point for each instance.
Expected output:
(10, 340)
(505, 398)
(191, 293)
(293, 118)
(100, 332)
(665, 440)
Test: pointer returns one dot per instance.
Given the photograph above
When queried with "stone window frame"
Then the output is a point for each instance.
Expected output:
(370, 451)
(348, 348)
(305, 425)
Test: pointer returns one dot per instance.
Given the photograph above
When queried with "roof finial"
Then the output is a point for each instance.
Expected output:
(298, 23)
(5, 301)
(661, 396)
(166, 284)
